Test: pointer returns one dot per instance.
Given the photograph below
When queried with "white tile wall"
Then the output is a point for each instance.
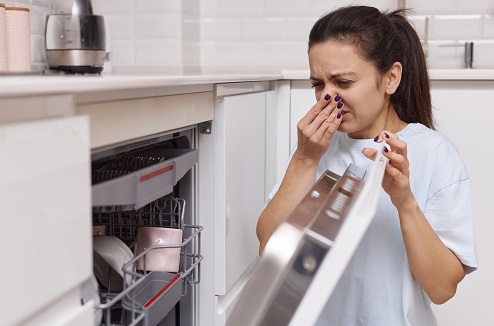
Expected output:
(157, 26)
(220, 29)
(446, 54)
(489, 26)
(267, 34)
(453, 27)
(419, 23)
(276, 31)
(264, 29)
(154, 6)
(298, 29)
(483, 54)
(475, 7)
(240, 8)
(435, 7)
(147, 34)
(163, 53)
(113, 7)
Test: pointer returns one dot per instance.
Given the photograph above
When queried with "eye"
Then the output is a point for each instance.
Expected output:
(317, 85)
(344, 83)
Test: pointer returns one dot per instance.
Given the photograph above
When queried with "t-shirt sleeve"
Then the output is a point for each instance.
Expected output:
(449, 208)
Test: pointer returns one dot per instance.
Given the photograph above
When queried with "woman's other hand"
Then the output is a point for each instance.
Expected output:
(318, 126)
(396, 180)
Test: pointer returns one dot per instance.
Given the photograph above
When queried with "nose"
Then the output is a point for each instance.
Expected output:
(327, 90)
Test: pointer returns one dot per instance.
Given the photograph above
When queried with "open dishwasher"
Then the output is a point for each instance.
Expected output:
(138, 185)
(306, 255)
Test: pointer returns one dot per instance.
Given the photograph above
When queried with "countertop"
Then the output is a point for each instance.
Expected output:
(33, 85)
(24, 85)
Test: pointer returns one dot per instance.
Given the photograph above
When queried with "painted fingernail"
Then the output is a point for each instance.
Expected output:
(376, 139)
(386, 149)
(327, 97)
(339, 105)
(337, 98)
(338, 116)
(387, 136)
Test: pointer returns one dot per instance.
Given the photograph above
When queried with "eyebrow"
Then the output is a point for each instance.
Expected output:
(336, 75)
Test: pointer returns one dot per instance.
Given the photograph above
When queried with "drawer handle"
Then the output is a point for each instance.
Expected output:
(155, 173)
(153, 299)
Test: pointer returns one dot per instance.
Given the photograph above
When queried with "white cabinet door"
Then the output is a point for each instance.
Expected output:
(232, 184)
(46, 216)
(239, 136)
(302, 98)
(464, 112)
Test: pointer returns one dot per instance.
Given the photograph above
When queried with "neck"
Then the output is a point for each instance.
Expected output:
(388, 121)
(393, 123)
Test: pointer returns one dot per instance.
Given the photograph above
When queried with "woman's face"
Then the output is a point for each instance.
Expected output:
(336, 68)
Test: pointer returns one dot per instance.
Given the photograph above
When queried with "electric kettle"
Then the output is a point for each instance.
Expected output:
(76, 41)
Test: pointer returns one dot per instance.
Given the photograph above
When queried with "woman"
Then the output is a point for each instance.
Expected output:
(371, 84)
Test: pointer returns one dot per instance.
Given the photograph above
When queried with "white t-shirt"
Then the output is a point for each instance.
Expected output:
(378, 288)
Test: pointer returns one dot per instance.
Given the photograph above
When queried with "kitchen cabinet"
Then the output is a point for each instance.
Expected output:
(119, 121)
(463, 112)
(46, 238)
(117, 117)
(116, 124)
(46, 190)
(240, 144)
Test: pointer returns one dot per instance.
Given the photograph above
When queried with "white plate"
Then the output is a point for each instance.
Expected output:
(110, 254)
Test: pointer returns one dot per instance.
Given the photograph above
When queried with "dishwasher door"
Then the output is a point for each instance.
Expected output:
(306, 255)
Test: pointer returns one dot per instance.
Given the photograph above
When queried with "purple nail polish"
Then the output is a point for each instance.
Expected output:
(338, 116)
(386, 149)
(327, 97)
(376, 139)
(339, 105)
(337, 98)
(387, 136)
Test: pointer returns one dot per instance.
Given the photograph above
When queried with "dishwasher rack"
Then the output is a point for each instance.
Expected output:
(131, 179)
(150, 295)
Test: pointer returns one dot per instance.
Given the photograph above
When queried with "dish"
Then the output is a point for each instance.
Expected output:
(110, 254)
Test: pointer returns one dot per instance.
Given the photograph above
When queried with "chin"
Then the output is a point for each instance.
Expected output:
(345, 127)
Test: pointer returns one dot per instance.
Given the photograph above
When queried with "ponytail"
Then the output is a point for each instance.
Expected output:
(412, 99)
(383, 39)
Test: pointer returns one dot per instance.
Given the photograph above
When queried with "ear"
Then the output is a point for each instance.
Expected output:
(392, 78)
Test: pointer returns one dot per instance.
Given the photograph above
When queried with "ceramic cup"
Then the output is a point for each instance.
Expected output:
(164, 259)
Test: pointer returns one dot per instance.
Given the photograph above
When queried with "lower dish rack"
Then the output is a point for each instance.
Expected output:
(148, 296)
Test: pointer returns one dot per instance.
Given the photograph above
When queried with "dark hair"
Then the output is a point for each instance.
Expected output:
(384, 38)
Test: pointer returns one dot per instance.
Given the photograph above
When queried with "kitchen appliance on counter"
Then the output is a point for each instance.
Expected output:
(306, 255)
(76, 41)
